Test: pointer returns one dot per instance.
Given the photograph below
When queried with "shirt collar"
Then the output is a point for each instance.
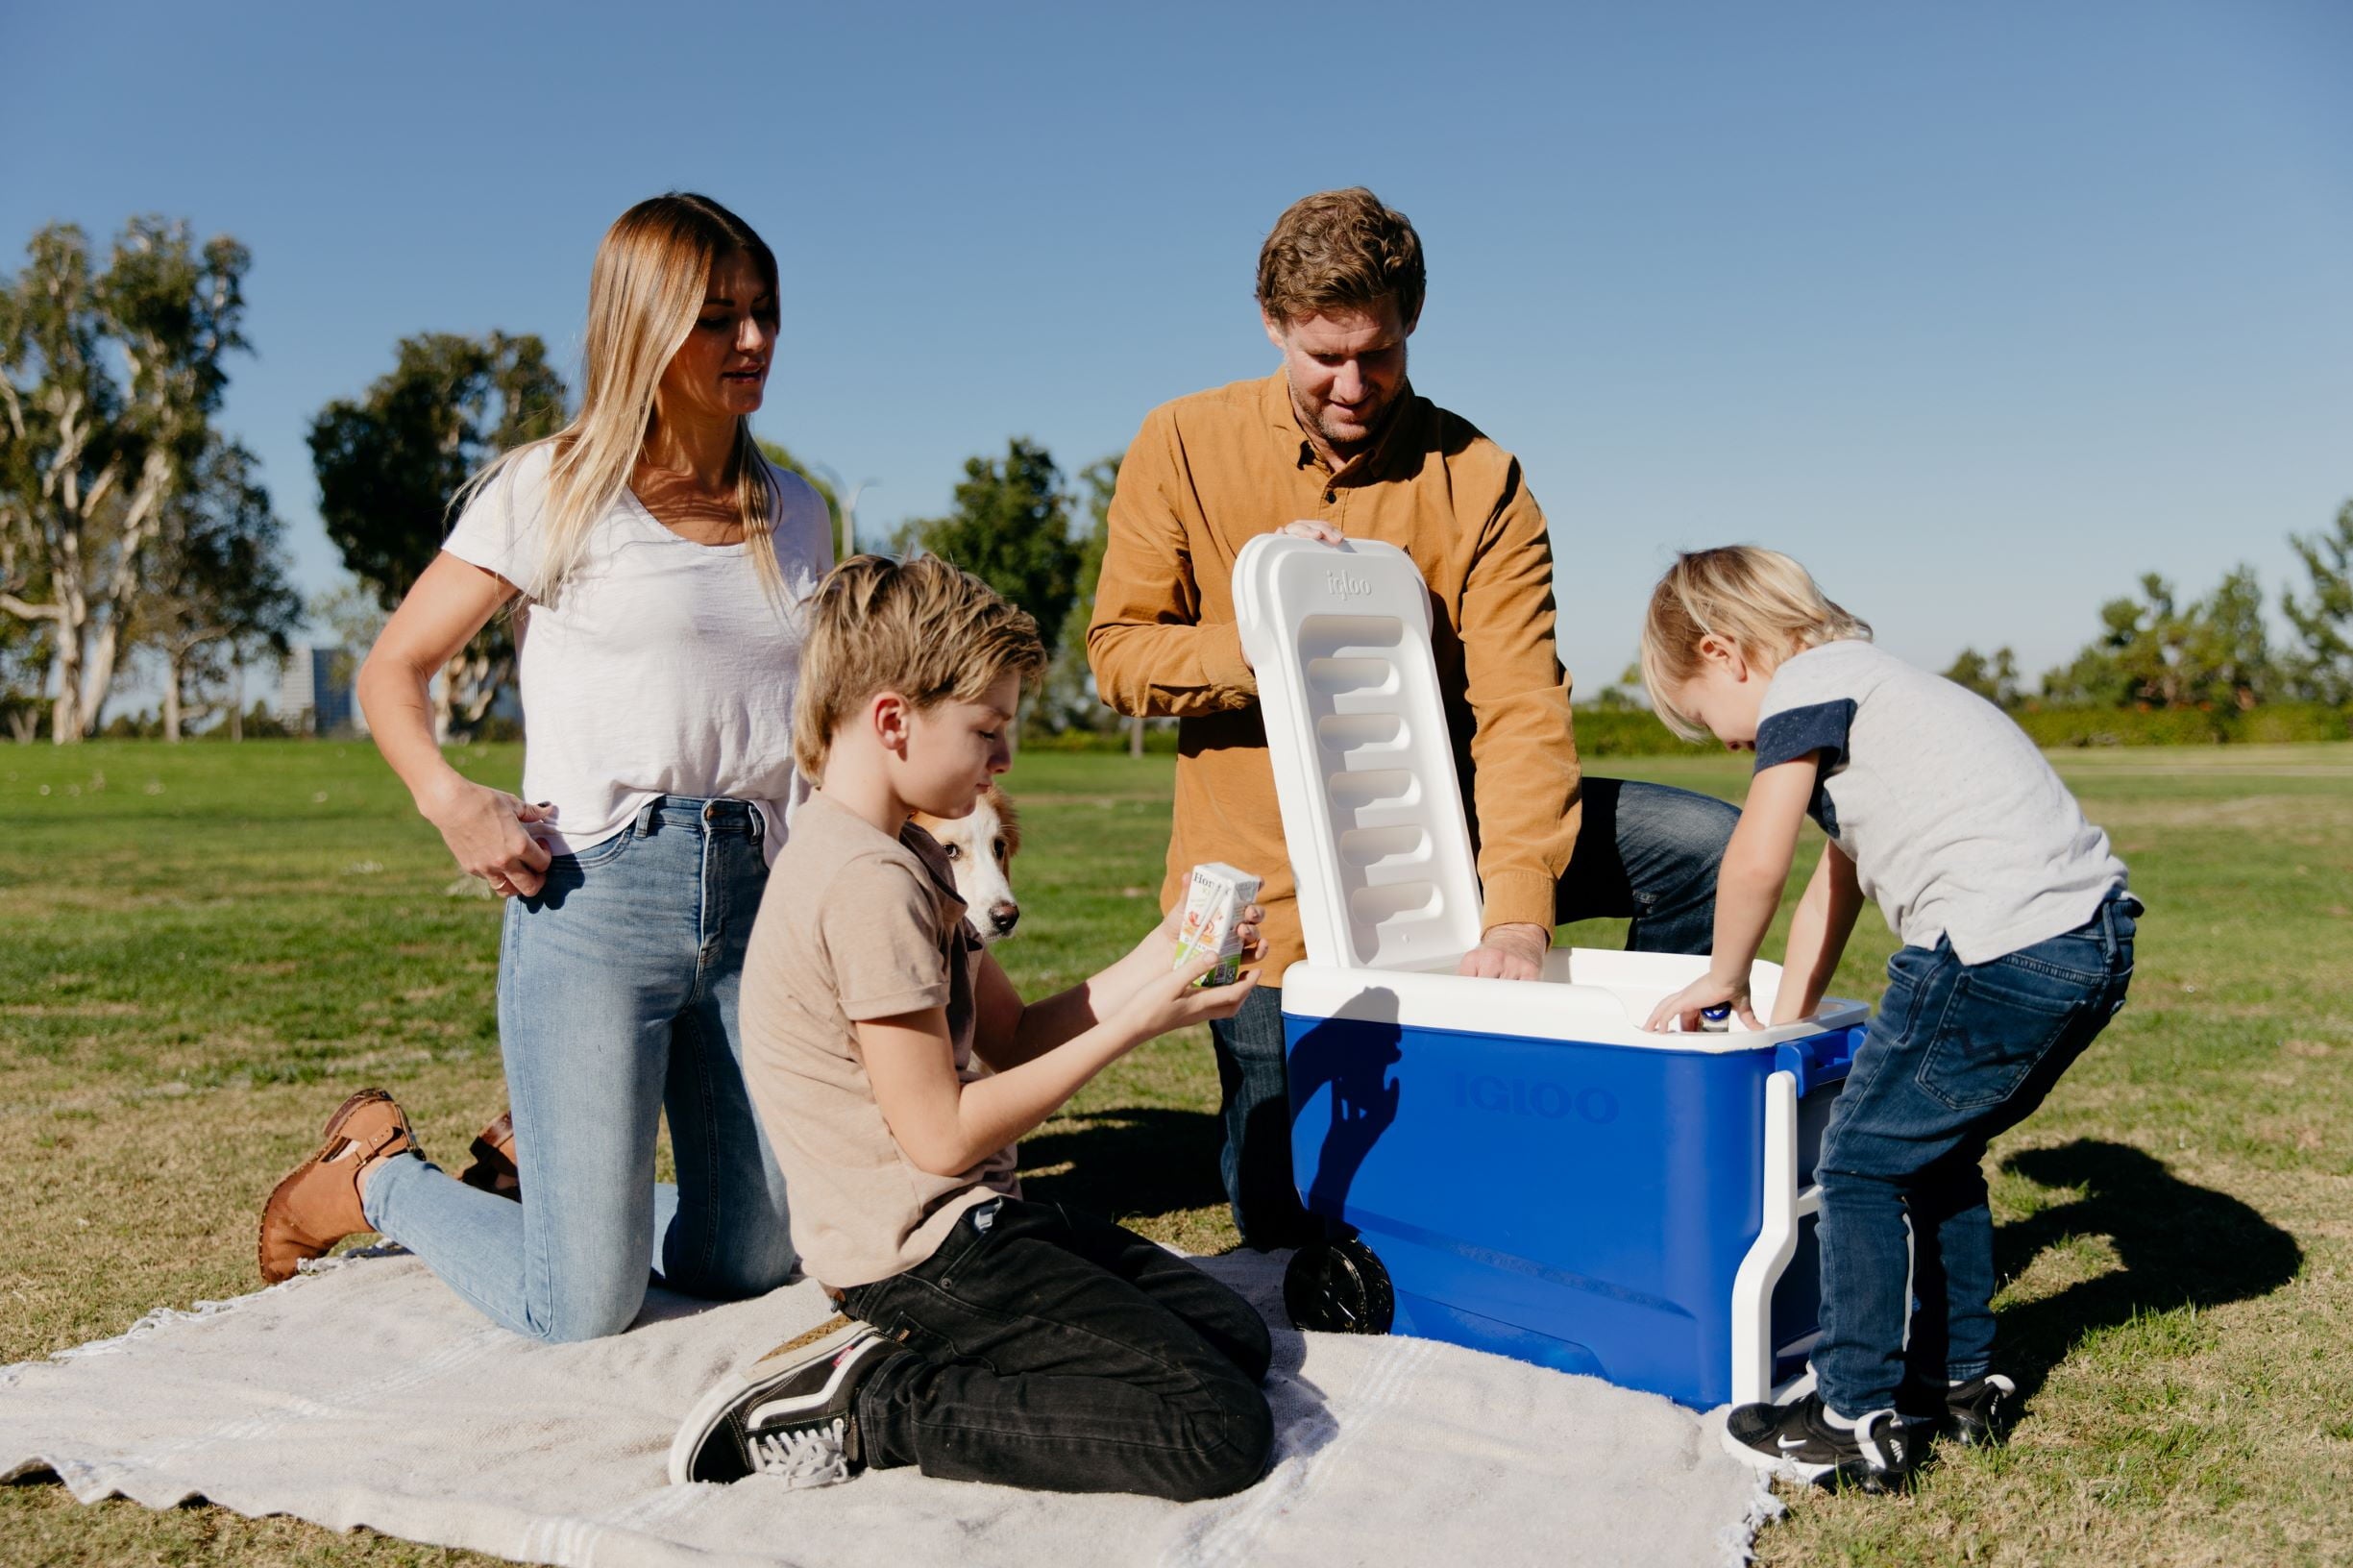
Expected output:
(926, 849)
(1282, 418)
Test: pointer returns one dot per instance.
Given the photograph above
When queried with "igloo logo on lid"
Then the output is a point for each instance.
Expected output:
(1340, 583)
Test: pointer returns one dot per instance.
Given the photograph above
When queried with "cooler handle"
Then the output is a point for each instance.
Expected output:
(1785, 1204)
(1818, 1059)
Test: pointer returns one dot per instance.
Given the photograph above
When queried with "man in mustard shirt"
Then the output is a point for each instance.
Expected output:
(1338, 444)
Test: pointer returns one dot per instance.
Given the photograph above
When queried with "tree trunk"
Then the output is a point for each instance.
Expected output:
(236, 698)
(1135, 736)
(171, 698)
(65, 717)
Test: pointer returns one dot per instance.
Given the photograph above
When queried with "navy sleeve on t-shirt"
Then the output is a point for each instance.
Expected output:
(1800, 732)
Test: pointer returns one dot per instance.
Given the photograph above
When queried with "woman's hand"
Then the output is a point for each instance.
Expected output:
(1711, 990)
(484, 830)
(1312, 528)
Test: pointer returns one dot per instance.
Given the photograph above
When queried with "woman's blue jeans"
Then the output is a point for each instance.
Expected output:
(617, 999)
(1956, 1054)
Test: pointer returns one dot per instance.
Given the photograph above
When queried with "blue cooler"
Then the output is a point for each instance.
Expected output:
(1514, 1165)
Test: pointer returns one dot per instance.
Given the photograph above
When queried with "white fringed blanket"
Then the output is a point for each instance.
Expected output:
(367, 1394)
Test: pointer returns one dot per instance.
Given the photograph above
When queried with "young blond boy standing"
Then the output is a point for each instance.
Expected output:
(894, 1065)
(2018, 948)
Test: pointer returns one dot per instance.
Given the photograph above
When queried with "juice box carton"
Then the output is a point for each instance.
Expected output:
(1213, 909)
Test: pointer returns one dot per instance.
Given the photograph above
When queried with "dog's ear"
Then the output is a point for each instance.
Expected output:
(1009, 821)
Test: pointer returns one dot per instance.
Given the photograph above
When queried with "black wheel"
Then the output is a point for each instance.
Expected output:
(1338, 1287)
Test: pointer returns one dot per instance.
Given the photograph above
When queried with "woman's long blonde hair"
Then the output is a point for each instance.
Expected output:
(1760, 599)
(644, 295)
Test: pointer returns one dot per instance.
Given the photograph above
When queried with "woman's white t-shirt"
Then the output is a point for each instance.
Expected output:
(661, 666)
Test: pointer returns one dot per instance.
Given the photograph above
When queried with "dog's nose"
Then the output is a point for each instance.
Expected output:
(1004, 916)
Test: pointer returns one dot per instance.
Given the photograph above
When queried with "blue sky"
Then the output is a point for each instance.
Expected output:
(1980, 310)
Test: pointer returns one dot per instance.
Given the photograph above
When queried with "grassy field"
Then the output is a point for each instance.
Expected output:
(201, 948)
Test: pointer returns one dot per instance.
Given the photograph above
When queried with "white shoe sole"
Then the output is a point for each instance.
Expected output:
(729, 1392)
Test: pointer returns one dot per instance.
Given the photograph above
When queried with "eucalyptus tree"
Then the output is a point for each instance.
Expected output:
(391, 463)
(108, 380)
(24, 665)
(216, 591)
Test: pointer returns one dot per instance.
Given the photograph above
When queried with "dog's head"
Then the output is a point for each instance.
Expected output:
(980, 850)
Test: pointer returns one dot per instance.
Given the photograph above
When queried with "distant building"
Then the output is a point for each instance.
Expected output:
(316, 695)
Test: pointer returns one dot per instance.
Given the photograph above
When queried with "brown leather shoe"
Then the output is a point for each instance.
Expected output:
(494, 1169)
(318, 1205)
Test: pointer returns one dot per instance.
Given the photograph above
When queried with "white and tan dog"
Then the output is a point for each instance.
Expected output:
(980, 850)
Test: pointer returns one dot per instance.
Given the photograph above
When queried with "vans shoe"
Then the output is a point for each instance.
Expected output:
(792, 1413)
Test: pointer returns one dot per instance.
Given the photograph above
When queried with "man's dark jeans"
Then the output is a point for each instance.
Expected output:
(1058, 1352)
(1958, 1054)
(1646, 852)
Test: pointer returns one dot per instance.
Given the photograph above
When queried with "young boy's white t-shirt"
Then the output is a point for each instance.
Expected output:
(1956, 824)
(661, 666)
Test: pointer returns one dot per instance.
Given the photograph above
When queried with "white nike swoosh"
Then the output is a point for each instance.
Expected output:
(1788, 1443)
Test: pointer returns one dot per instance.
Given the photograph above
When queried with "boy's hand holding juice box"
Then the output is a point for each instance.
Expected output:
(1213, 919)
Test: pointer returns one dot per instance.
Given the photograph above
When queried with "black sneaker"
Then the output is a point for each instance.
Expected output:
(1976, 1412)
(791, 1413)
(1875, 1454)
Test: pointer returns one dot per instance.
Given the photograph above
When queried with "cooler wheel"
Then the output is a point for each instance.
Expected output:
(1338, 1287)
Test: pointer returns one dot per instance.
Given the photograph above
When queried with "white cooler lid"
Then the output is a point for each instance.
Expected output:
(1364, 770)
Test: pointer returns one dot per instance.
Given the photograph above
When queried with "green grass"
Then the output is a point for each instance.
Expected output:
(203, 947)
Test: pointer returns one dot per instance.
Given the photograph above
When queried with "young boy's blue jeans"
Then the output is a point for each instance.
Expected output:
(617, 999)
(1956, 1054)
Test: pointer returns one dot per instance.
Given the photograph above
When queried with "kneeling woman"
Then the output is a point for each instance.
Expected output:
(657, 562)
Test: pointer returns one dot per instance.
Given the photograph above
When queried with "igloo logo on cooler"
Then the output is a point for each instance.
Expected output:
(1340, 585)
(1525, 1098)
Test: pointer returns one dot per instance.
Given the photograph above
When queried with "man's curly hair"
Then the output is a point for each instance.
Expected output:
(1340, 248)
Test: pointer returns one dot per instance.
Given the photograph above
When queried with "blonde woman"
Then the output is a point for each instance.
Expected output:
(656, 562)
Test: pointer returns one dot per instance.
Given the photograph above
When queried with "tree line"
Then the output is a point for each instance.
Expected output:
(2157, 651)
(129, 524)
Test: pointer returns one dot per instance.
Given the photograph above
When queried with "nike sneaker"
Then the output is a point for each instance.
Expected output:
(1874, 1453)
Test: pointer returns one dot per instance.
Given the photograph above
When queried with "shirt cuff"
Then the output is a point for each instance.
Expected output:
(1800, 732)
(897, 1003)
(1519, 899)
(1222, 661)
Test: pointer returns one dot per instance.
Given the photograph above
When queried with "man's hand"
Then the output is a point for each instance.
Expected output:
(1508, 952)
(1310, 527)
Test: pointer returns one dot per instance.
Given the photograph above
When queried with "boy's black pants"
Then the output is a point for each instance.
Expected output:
(1062, 1353)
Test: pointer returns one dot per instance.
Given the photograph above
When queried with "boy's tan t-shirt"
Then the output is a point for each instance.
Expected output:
(856, 925)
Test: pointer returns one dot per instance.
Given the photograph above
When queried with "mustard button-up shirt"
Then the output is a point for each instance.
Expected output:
(1208, 472)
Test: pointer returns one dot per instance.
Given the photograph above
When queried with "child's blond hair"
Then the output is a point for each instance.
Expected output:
(923, 628)
(1759, 599)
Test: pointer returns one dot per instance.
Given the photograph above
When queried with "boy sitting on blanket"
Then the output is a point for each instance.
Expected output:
(894, 1065)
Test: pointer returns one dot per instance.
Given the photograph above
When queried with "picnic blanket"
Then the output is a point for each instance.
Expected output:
(365, 1393)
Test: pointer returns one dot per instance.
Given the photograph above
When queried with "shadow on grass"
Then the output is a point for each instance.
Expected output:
(1132, 1164)
(2181, 1246)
